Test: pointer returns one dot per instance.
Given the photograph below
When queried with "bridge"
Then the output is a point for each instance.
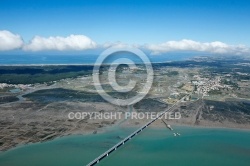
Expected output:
(115, 147)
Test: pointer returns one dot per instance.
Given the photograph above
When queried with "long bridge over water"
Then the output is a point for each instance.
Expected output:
(115, 147)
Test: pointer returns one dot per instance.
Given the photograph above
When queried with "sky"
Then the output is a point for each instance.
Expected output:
(160, 26)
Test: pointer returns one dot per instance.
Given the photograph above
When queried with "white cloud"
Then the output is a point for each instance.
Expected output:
(9, 41)
(119, 44)
(190, 45)
(72, 42)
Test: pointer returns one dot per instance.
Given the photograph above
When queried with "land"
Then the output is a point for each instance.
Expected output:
(35, 100)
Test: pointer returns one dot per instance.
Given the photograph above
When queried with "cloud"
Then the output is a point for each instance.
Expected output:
(10, 41)
(72, 42)
(119, 44)
(190, 45)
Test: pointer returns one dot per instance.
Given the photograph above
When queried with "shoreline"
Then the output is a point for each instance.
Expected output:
(211, 127)
(110, 129)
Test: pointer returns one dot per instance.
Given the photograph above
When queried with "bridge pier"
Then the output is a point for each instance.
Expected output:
(106, 154)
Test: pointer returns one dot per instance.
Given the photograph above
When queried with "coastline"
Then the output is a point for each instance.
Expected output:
(113, 128)
(81, 149)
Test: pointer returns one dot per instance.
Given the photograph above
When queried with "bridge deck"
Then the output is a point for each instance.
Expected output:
(115, 147)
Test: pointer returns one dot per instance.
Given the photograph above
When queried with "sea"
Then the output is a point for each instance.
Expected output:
(195, 146)
(80, 59)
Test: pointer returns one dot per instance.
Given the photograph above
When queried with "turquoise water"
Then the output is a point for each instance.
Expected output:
(195, 146)
(77, 59)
